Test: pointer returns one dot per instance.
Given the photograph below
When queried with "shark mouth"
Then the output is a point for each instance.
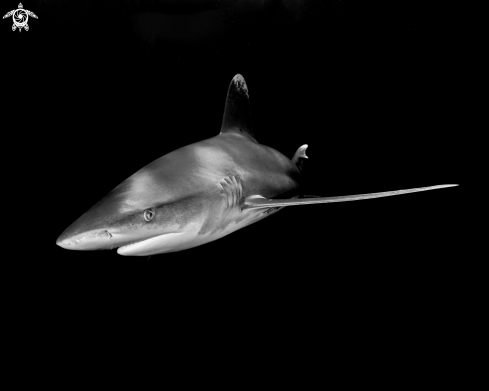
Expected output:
(157, 244)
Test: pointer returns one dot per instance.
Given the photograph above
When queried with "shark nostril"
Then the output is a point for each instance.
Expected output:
(103, 233)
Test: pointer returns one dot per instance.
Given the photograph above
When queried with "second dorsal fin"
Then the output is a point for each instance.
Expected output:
(237, 114)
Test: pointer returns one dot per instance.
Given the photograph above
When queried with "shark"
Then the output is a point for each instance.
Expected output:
(200, 192)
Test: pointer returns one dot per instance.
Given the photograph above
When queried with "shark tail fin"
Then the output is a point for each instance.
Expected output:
(260, 202)
(237, 113)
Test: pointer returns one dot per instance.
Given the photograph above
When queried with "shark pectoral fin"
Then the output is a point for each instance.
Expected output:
(260, 202)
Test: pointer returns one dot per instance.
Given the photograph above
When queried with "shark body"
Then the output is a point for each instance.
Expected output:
(199, 193)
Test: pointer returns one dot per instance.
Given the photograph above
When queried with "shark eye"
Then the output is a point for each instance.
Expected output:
(148, 214)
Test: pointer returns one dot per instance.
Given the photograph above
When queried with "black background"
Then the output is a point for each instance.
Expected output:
(95, 92)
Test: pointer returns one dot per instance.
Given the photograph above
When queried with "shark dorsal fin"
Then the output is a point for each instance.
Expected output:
(237, 114)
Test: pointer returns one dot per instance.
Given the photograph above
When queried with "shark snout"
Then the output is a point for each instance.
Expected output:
(91, 240)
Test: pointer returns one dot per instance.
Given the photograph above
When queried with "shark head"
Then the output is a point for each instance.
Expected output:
(152, 207)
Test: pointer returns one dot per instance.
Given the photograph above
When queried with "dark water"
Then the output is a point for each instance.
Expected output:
(95, 90)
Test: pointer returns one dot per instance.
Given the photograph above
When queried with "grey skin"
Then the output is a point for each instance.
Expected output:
(200, 192)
